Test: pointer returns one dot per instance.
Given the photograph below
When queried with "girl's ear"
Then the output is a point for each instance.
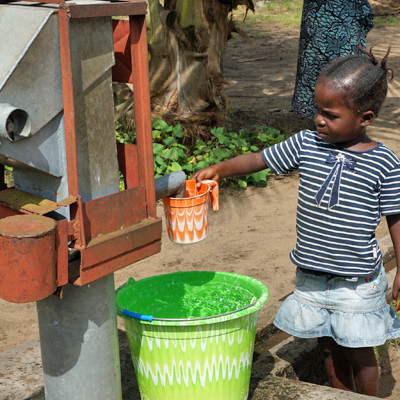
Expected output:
(367, 118)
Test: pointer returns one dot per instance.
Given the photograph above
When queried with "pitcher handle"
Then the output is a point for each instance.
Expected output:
(213, 185)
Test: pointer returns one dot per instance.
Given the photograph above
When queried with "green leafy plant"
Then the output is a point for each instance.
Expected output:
(125, 132)
(170, 154)
(8, 176)
(121, 181)
(226, 145)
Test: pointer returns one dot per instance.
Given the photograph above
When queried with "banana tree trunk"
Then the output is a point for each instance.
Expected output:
(187, 45)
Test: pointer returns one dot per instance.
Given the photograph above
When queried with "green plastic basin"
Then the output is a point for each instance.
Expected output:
(200, 340)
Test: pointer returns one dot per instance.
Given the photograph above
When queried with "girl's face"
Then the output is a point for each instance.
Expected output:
(336, 122)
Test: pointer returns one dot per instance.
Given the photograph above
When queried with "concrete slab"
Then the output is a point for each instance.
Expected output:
(276, 388)
(21, 374)
(276, 374)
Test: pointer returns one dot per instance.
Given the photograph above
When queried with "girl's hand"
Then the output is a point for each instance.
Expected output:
(205, 173)
(245, 164)
(393, 222)
(396, 289)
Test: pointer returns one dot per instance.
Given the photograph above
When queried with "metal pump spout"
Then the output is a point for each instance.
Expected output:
(14, 122)
(172, 185)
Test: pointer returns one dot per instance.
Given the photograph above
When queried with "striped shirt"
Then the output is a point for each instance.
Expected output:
(342, 194)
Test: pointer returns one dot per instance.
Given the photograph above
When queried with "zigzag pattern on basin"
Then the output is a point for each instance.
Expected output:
(228, 369)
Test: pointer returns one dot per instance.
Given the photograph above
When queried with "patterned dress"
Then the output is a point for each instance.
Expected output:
(329, 29)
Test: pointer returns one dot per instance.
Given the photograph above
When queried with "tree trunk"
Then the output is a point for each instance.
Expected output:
(385, 7)
(187, 45)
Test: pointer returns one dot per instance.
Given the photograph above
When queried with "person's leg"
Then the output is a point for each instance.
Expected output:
(352, 369)
(339, 369)
(365, 370)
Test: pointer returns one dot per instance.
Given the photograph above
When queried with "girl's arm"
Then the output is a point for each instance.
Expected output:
(244, 164)
(393, 222)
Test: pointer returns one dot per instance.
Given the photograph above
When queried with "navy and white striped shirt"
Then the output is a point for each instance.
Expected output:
(342, 194)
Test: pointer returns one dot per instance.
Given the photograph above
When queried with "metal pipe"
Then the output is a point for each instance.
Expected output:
(78, 333)
(14, 122)
(79, 343)
(172, 185)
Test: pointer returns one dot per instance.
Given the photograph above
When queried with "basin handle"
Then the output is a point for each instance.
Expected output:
(142, 317)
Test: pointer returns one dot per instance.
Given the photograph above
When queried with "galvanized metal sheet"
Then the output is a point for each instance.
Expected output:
(92, 50)
(14, 45)
(45, 151)
(30, 72)
(30, 67)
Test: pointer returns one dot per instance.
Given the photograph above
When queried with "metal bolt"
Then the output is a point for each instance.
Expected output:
(10, 126)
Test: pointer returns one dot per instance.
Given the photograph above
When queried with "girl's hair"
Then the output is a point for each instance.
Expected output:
(361, 80)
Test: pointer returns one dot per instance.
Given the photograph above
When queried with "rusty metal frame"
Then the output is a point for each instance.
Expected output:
(62, 252)
(141, 100)
(103, 251)
(107, 249)
(33, 1)
(107, 9)
(128, 164)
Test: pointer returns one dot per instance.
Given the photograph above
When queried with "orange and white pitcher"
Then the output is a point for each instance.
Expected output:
(187, 218)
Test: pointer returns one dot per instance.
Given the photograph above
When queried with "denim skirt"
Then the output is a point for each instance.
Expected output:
(352, 311)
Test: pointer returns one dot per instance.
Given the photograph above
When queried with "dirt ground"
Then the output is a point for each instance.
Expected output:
(254, 230)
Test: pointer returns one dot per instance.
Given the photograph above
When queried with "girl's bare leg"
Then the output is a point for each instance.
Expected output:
(349, 368)
(365, 370)
(338, 366)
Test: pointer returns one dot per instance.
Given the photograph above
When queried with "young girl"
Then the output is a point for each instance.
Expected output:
(347, 180)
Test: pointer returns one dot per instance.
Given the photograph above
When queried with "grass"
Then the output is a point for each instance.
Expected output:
(8, 176)
(287, 12)
(389, 20)
(392, 342)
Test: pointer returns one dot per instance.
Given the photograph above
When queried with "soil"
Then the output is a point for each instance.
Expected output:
(389, 372)
(254, 230)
